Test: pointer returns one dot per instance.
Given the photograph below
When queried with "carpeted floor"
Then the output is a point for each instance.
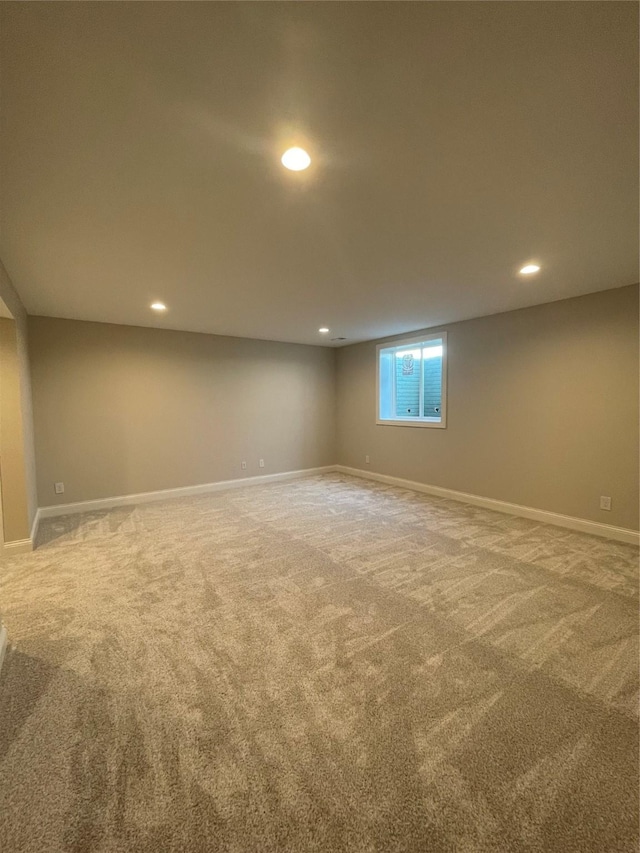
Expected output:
(320, 665)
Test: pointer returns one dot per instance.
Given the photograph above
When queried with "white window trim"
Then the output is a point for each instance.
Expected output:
(429, 423)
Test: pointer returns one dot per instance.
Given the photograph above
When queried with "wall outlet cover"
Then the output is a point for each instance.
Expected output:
(58, 488)
(605, 502)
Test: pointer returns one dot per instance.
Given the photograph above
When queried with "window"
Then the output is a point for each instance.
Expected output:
(412, 382)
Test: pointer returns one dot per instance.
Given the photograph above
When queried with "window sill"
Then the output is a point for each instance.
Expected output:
(429, 424)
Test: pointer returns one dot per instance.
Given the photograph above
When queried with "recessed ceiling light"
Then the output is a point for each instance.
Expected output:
(158, 306)
(529, 269)
(323, 330)
(295, 159)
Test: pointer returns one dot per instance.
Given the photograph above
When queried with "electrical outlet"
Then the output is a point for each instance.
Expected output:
(366, 459)
(243, 465)
(58, 488)
(605, 502)
(261, 463)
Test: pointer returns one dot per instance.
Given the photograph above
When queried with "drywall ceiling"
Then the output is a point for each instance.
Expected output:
(451, 143)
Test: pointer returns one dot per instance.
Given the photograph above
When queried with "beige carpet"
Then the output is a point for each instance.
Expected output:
(320, 665)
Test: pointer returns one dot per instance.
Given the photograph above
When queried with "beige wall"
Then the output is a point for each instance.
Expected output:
(122, 409)
(15, 306)
(543, 410)
(15, 515)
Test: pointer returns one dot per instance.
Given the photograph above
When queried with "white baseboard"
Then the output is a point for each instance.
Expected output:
(3, 643)
(182, 492)
(621, 534)
(20, 546)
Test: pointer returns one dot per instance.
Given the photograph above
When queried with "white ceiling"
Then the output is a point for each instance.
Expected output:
(451, 143)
